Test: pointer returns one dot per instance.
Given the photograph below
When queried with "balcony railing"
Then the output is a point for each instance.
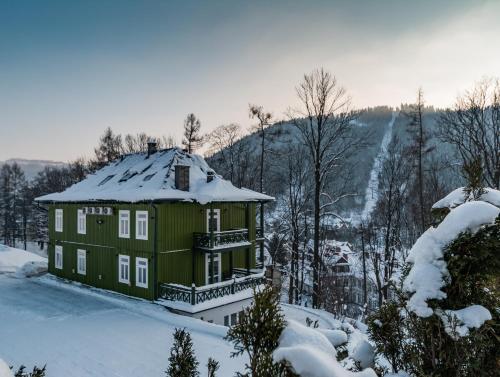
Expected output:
(259, 233)
(220, 239)
(197, 295)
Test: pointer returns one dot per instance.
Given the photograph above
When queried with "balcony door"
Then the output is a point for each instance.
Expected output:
(215, 223)
(216, 266)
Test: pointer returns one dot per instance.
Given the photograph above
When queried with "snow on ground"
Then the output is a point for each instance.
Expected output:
(4, 369)
(83, 332)
(16, 260)
(429, 272)
(310, 353)
(87, 332)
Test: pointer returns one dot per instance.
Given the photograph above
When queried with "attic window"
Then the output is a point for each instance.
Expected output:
(148, 177)
(106, 179)
(127, 176)
(146, 168)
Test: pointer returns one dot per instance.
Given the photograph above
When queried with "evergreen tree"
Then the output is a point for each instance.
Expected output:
(257, 334)
(473, 173)
(213, 366)
(109, 149)
(439, 345)
(192, 138)
(182, 361)
(37, 372)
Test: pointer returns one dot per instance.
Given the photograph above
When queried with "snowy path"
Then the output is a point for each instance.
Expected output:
(371, 194)
(87, 334)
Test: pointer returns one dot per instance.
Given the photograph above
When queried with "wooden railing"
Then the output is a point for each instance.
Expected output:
(218, 239)
(259, 233)
(197, 295)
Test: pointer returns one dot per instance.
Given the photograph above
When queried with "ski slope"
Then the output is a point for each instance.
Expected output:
(371, 194)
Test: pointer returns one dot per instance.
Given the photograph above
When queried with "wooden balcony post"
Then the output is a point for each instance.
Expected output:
(210, 225)
(211, 267)
(193, 294)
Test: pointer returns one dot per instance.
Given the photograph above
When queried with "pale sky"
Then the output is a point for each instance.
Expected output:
(70, 69)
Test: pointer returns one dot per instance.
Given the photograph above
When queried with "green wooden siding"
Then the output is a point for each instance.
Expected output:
(176, 224)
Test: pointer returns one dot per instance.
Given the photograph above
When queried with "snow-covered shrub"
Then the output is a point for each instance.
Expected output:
(445, 321)
(182, 360)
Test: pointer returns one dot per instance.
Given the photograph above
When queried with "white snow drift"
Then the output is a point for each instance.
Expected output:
(21, 262)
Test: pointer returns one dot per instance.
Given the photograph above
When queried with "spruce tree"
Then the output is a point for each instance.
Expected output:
(192, 138)
(213, 366)
(182, 360)
(257, 334)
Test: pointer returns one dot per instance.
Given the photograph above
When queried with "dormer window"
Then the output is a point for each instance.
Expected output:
(105, 180)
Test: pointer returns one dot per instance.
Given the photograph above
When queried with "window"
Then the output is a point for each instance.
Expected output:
(215, 225)
(81, 261)
(141, 225)
(226, 320)
(216, 268)
(233, 319)
(105, 180)
(59, 220)
(82, 222)
(124, 269)
(124, 224)
(58, 260)
(141, 272)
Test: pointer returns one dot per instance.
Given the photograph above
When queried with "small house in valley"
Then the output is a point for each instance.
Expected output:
(163, 226)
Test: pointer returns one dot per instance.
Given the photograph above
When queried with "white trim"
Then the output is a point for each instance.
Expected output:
(218, 276)
(141, 272)
(58, 252)
(81, 222)
(141, 233)
(216, 216)
(59, 217)
(81, 255)
(124, 216)
(124, 260)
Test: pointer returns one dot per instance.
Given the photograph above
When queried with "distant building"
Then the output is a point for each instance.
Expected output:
(160, 226)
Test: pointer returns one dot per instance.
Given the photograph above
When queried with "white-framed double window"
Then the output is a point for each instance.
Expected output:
(124, 269)
(81, 222)
(58, 257)
(141, 225)
(124, 224)
(216, 266)
(59, 220)
(81, 261)
(141, 272)
(215, 223)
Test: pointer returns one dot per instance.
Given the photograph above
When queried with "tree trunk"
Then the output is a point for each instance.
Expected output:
(317, 193)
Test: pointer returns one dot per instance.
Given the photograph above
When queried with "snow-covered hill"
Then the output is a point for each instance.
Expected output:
(32, 167)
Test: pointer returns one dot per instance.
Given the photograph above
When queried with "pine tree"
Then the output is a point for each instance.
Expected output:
(257, 334)
(37, 372)
(182, 361)
(192, 138)
(473, 173)
(213, 366)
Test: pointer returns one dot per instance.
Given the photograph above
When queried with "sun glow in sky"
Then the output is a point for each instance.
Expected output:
(69, 69)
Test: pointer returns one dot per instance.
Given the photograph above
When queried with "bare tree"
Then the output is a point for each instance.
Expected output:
(223, 146)
(264, 119)
(472, 126)
(418, 149)
(324, 123)
(109, 149)
(192, 136)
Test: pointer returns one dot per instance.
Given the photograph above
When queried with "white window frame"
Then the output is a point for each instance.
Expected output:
(122, 232)
(81, 255)
(59, 218)
(58, 251)
(218, 258)
(138, 270)
(216, 216)
(123, 260)
(81, 222)
(138, 220)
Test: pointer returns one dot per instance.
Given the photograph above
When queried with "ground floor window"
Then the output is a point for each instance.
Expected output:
(124, 269)
(216, 268)
(81, 262)
(141, 272)
(234, 319)
(226, 320)
(58, 260)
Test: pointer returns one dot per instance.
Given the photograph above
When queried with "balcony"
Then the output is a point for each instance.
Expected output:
(197, 295)
(230, 239)
(259, 234)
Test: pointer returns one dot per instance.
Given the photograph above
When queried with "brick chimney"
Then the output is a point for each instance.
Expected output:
(182, 177)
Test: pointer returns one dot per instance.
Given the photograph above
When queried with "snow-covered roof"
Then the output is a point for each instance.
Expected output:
(138, 178)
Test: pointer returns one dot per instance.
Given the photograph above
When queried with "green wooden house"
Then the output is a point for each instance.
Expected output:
(162, 226)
